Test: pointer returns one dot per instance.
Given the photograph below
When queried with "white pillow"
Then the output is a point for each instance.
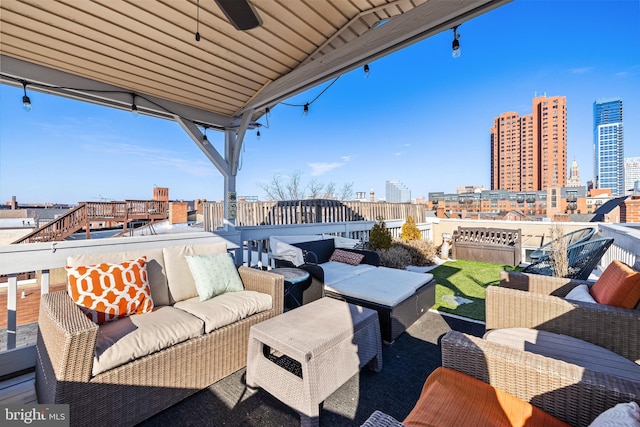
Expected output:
(580, 293)
(214, 274)
(621, 415)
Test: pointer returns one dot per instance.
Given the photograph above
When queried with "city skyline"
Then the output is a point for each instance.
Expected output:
(421, 117)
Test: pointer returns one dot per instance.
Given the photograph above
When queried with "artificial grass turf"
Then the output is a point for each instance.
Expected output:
(466, 279)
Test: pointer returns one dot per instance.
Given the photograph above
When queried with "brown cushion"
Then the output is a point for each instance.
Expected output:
(618, 286)
(451, 398)
(351, 258)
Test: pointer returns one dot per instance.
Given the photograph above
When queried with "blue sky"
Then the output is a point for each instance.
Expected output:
(422, 117)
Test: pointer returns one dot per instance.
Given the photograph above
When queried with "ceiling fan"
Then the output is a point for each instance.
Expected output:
(240, 13)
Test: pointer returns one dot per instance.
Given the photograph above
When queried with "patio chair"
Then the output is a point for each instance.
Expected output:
(582, 257)
(487, 382)
(575, 237)
(539, 302)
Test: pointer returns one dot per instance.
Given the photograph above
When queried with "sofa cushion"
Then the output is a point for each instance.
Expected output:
(336, 271)
(179, 278)
(155, 268)
(580, 293)
(107, 291)
(227, 308)
(347, 257)
(136, 336)
(451, 398)
(381, 285)
(214, 274)
(566, 348)
(618, 286)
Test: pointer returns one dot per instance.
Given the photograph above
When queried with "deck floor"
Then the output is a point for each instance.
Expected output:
(406, 364)
(19, 390)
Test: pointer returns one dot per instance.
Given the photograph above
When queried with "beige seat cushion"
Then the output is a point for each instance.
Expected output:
(226, 309)
(181, 283)
(568, 349)
(155, 268)
(132, 337)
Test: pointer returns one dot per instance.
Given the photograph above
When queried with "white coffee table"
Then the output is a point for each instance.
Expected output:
(304, 355)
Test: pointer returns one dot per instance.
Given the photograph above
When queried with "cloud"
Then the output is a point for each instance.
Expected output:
(622, 74)
(581, 70)
(321, 168)
(171, 160)
(398, 153)
(346, 158)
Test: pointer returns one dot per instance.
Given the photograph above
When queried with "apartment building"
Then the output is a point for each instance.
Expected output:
(529, 152)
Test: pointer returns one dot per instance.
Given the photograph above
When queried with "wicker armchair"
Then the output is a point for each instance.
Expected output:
(533, 301)
(582, 257)
(566, 391)
(570, 393)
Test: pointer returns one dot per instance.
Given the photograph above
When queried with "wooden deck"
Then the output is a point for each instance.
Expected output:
(19, 390)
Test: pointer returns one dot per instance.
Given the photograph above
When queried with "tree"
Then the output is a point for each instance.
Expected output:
(410, 230)
(330, 191)
(277, 189)
(315, 188)
(346, 192)
(380, 236)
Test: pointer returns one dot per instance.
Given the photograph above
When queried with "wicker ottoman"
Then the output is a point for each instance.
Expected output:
(303, 356)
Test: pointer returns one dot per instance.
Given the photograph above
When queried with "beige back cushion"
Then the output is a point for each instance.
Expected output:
(179, 278)
(155, 268)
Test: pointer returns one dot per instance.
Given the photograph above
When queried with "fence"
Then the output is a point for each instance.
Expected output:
(309, 211)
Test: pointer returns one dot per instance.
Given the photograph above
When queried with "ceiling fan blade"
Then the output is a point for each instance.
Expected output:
(240, 13)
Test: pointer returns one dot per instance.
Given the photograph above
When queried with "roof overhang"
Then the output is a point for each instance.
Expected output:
(120, 52)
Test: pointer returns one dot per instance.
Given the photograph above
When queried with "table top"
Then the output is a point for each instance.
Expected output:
(314, 327)
(292, 275)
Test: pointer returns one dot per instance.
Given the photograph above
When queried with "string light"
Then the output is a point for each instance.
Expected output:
(258, 133)
(198, 22)
(366, 71)
(134, 107)
(26, 101)
(305, 110)
(455, 45)
(267, 112)
(204, 137)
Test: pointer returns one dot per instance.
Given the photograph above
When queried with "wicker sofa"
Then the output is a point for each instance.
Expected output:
(567, 392)
(70, 349)
(533, 301)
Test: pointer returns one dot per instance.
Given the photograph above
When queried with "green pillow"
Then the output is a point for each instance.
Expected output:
(214, 274)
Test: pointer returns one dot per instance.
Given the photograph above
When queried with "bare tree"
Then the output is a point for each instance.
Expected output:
(275, 189)
(315, 188)
(330, 191)
(293, 187)
(346, 192)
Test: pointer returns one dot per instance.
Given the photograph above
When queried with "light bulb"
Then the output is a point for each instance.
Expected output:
(26, 104)
(366, 70)
(455, 46)
(305, 110)
(134, 110)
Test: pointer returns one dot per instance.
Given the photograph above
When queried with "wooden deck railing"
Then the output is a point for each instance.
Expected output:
(309, 211)
(86, 212)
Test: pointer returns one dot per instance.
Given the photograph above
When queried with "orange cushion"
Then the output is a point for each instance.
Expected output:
(618, 286)
(107, 291)
(451, 398)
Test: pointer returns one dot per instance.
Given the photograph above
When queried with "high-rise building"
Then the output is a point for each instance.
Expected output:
(608, 145)
(397, 192)
(631, 173)
(529, 152)
(574, 175)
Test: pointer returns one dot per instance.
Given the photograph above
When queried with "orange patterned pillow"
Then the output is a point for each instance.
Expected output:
(107, 291)
(618, 286)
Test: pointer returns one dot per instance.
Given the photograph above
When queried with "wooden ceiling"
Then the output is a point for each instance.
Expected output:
(119, 52)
